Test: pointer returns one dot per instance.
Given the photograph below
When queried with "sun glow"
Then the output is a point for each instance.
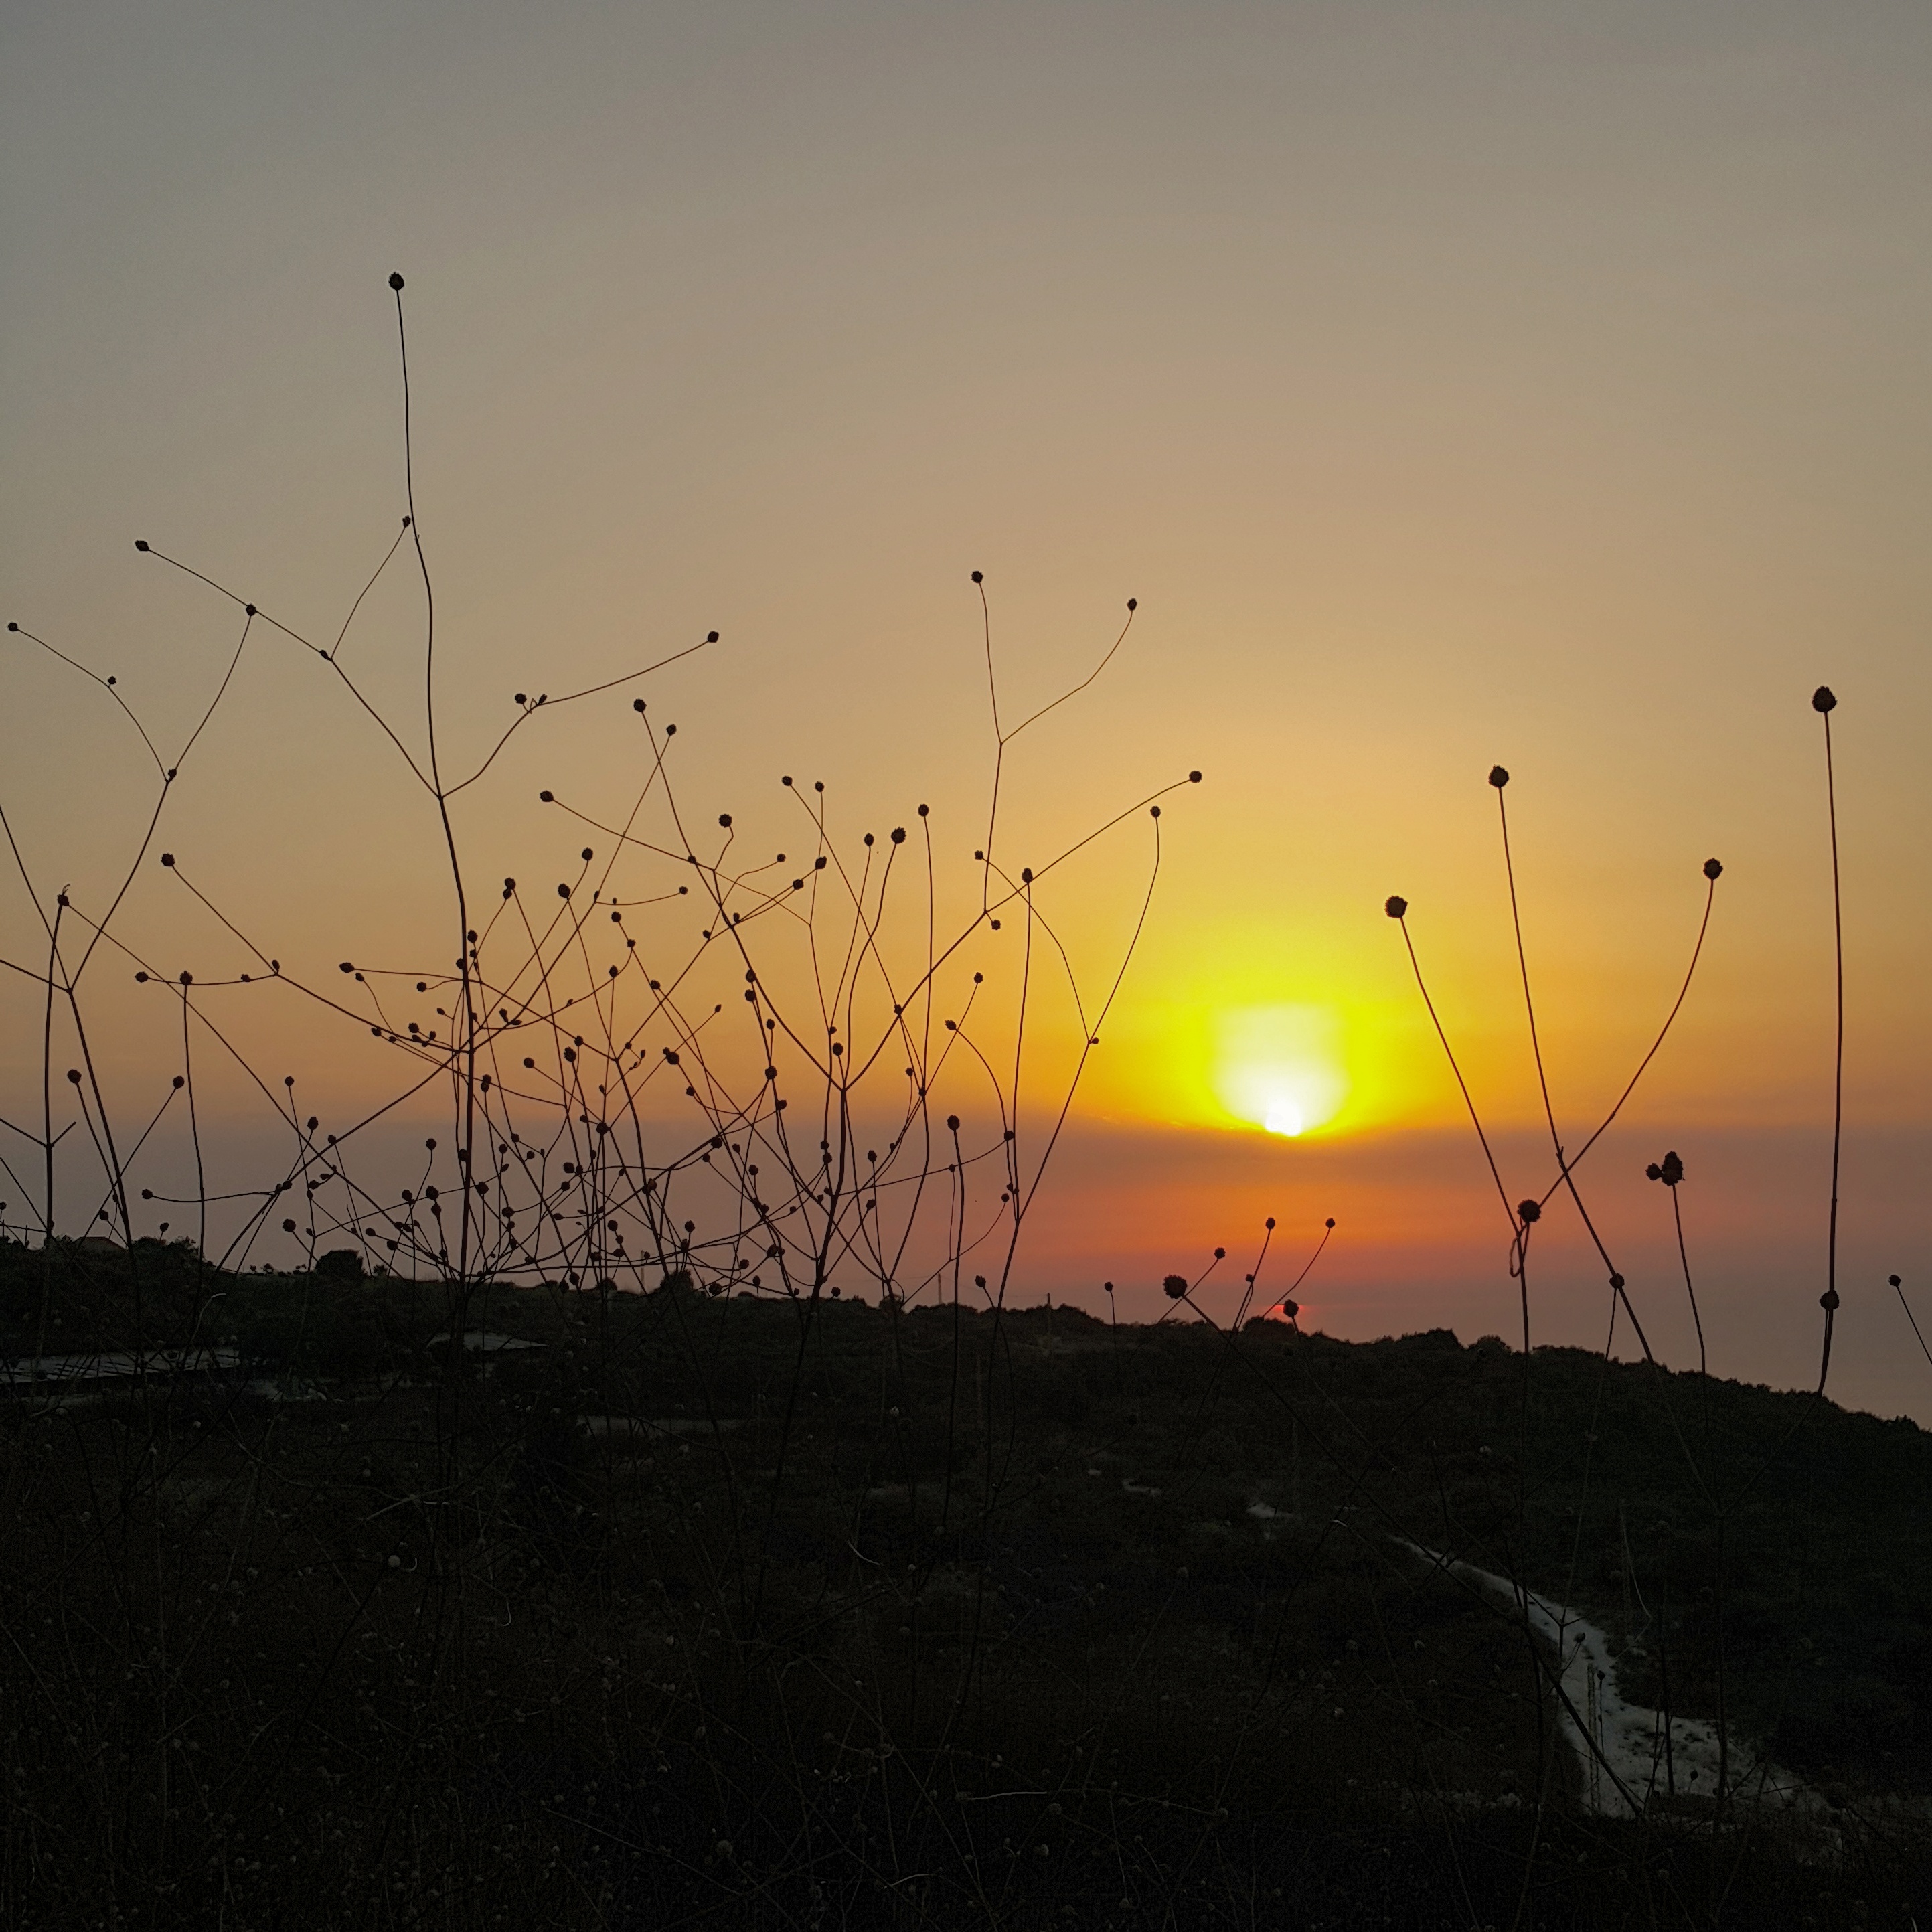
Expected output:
(1280, 1067)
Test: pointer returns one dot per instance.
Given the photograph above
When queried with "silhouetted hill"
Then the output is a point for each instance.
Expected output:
(894, 1577)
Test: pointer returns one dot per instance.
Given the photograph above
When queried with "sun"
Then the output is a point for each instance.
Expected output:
(1280, 1067)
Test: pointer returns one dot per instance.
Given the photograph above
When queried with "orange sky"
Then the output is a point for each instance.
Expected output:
(1448, 387)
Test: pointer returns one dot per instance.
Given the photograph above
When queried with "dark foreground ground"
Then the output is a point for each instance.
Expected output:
(716, 1612)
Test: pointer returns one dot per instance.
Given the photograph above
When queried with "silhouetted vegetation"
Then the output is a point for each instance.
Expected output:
(535, 1633)
(647, 1516)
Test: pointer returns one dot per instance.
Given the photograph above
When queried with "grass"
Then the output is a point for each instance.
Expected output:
(544, 1616)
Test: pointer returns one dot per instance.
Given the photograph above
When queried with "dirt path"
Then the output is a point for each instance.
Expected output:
(1637, 1762)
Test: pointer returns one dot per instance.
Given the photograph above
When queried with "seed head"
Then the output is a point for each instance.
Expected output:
(396, 283)
(1713, 868)
(1529, 1212)
(1395, 906)
(1823, 700)
(1176, 1285)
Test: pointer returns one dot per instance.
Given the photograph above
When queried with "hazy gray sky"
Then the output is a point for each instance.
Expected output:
(1450, 384)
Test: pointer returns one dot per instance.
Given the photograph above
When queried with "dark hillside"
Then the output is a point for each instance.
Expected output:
(637, 1610)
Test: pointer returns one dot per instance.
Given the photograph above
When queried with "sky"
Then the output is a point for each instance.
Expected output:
(1449, 385)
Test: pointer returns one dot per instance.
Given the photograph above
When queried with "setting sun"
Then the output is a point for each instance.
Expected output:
(1280, 1067)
